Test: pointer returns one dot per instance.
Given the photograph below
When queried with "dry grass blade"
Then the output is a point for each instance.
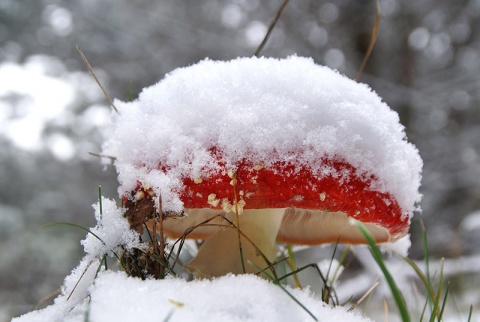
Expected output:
(49, 297)
(159, 246)
(373, 39)
(237, 221)
(385, 308)
(271, 27)
(79, 279)
(90, 69)
(364, 297)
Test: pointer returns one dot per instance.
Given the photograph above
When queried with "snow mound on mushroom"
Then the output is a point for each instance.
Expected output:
(260, 109)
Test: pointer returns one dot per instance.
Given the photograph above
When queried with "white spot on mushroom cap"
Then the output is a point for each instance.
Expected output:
(259, 166)
(322, 196)
(298, 198)
(212, 200)
(226, 205)
(229, 207)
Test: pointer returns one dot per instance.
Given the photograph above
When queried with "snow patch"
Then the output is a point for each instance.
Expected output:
(246, 298)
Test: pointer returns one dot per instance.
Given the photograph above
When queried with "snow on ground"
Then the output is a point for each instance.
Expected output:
(117, 297)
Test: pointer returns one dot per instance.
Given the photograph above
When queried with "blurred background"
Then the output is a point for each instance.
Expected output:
(425, 65)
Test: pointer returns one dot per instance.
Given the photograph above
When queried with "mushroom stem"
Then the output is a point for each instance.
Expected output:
(220, 253)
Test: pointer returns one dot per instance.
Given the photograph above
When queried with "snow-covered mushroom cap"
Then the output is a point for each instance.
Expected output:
(289, 134)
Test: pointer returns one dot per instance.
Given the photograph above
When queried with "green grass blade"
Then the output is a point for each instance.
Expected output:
(470, 314)
(444, 302)
(276, 282)
(425, 253)
(86, 316)
(422, 276)
(102, 261)
(423, 311)
(377, 255)
(293, 266)
(169, 316)
(82, 228)
(436, 305)
(340, 262)
(73, 225)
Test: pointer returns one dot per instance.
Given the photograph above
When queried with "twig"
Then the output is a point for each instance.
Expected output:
(270, 28)
(373, 39)
(162, 236)
(90, 69)
(98, 155)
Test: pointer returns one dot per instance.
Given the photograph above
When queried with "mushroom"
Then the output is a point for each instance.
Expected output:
(295, 149)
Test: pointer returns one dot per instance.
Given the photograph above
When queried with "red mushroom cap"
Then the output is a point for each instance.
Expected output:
(309, 195)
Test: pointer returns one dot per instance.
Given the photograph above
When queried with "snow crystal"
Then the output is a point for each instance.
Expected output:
(263, 110)
(116, 297)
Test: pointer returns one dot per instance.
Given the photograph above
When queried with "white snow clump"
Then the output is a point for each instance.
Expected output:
(111, 231)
